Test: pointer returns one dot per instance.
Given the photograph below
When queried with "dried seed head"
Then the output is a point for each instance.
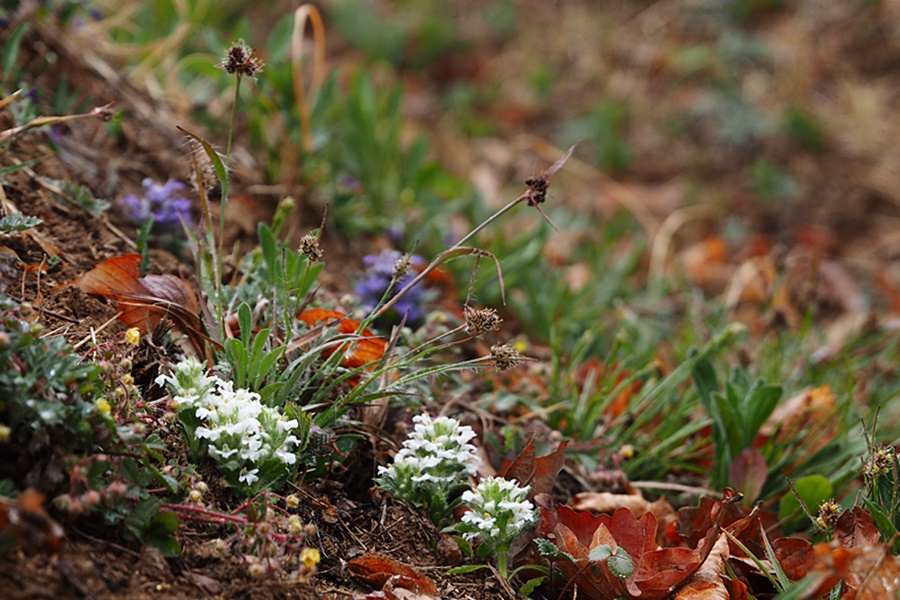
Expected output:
(401, 266)
(310, 248)
(537, 188)
(505, 356)
(880, 462)
(201, 161)
(240, 60)
(829, 513)
(480, 321)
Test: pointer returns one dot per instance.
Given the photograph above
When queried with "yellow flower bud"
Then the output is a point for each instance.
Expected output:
(310, 557)
(133, 336)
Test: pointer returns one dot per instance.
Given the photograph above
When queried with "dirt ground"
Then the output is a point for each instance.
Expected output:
(848, 209)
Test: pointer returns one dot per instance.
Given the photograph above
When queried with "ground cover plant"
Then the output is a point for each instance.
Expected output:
(416, 300)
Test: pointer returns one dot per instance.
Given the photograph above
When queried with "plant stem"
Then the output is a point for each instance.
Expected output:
(437, 261)
(490, 220)
(224, 202)
(501, 563)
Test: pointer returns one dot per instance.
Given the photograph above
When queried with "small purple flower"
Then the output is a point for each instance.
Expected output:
(377, 279)
(164, 201)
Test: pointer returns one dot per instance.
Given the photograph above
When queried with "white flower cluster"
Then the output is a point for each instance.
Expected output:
(437, 454)
(499, 512)
(242, 432)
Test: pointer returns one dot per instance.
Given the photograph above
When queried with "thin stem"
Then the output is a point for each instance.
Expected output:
(436, 262)
(237, 89)
(224, 203)
(490, 220)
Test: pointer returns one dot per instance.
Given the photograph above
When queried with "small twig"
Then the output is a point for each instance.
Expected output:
(674, 487)
(107, 543)
(94, 332)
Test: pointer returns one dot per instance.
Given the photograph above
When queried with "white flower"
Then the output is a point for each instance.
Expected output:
(234, 421)
(248, 477)
(500, 510)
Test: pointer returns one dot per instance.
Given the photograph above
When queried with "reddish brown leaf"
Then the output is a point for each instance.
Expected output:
(367, 349)
(145, 301)
(694, 522)
(378, 570)
(856, 528)
(539, 473)
(748, 472)
(795, 556)
(657, 571)
(635, 502)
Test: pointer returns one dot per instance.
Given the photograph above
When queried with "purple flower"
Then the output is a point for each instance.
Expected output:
(377, 279)
(164, 201)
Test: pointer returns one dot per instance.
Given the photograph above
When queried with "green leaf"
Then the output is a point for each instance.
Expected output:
(13, 168)
(466, 569)
(245, 320)
(10, 54)
(797, 589)
(813, 491)
(885, 525)
(620, 564)
(600, 553)
(17, 222)
(531, 585)
(464, 546)
(161, 533)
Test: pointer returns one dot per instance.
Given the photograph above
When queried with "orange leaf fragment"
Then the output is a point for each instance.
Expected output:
(379, 571)
(367, 349)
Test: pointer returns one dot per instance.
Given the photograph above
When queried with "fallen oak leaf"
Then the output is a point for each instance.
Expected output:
(655, 573)
(636, 503)
(146, 301)
(540, 475)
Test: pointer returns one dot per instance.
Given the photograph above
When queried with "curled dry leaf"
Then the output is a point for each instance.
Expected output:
(539, 473)
(711, 581)
(145, 301)
(381, 571)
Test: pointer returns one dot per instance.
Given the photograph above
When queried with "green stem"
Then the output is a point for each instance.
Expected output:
(224, 203)
(501, 563)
